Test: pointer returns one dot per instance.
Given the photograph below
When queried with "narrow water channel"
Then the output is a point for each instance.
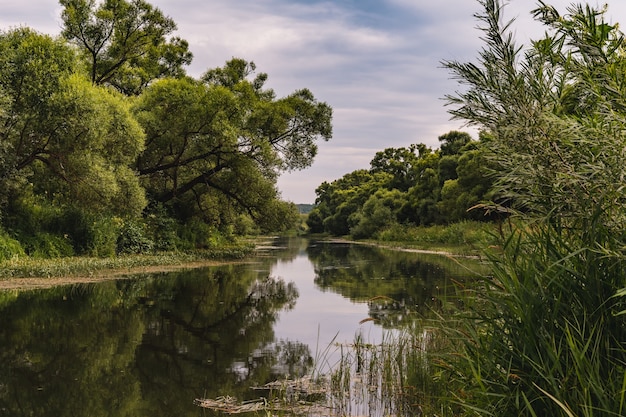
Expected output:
(151, 345)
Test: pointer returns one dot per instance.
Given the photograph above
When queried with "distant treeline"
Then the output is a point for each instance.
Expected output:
(415, 186)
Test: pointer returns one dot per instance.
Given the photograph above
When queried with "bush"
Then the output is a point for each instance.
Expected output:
(162, 228)
(133, 239)
(464, 234)
(103, 236)
(196, 234)
(9, 247)
(48, 245)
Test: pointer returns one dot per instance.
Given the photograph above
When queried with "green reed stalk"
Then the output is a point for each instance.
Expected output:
(541, 337)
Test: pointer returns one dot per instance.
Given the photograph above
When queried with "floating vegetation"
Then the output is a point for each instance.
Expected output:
(294, 397)
(390, 378)
(230, 405)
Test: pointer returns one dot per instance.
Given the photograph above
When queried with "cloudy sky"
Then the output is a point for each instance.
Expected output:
(376, 62)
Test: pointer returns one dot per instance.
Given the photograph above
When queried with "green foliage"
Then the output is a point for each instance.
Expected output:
(133, 240)
(544, 329)
(124, 43)
(244, 225)
(543, 337)
(32, 67)
(100, 141)
(279, 216)
(102, 236)
(242, 137)
(47, 245)
(80, 162)
(420, 188)
(342, 198)
(198, 234)
(378, 213)
(162, 228)
(467, 235)
(72, 141)
(453, 142)
(9, 247)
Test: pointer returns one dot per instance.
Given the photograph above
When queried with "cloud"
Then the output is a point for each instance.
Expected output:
(42, 15)
(376, 62)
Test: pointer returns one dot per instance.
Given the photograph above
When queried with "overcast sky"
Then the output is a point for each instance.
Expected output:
(376, 62)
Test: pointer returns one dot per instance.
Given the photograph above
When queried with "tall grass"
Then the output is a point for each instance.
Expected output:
(396, 376)
(541, 336)
(465, 236)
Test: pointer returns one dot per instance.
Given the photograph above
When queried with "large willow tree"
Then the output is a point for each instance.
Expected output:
(125, 44)
(215, 146)
(548, 340)
(62, 138)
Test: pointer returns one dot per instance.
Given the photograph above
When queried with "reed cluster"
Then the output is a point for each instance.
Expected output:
(543, 336)
(396, 376)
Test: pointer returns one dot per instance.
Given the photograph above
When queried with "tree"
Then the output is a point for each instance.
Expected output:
(401, 163)
(379, 211)
(31, 69)
(73, 142)
(124, 42)
(453, 141)
(338, 202)
(421, 199)
(225, 138)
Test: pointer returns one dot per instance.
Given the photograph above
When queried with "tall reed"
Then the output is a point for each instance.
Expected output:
(541, 336)
(396, 376)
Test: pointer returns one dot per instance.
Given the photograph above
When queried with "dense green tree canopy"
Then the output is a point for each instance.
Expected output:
(71, 140)
(225, 137)
(106, 145)
(410, 186)
(124, 42)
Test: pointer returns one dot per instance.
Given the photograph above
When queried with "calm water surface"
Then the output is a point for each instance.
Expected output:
(149, 346)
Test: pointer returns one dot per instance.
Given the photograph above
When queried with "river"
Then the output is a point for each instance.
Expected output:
(153, 344)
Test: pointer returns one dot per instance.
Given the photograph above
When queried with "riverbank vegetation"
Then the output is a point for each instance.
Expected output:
(108, 147)
(72, 269)
(408, 187)
(543, 334)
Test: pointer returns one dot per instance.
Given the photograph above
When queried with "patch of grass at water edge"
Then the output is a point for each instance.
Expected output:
(465, 238)
(74, 266)
(398, 376)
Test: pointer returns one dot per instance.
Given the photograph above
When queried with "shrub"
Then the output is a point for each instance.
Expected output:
(103, 236)
(162, 228)
(133, 239)
(48, 245)
(9, 247)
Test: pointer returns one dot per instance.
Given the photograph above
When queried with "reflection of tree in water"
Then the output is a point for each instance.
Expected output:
(395, 284)
(142, 347)
(202, 337)
(283, 249)
(67, 352)
(293, 359)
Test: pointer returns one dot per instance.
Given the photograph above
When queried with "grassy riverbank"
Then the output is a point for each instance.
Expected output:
(26, 272)
(468, 238)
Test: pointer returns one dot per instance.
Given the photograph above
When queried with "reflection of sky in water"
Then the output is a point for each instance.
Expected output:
(320, 316)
